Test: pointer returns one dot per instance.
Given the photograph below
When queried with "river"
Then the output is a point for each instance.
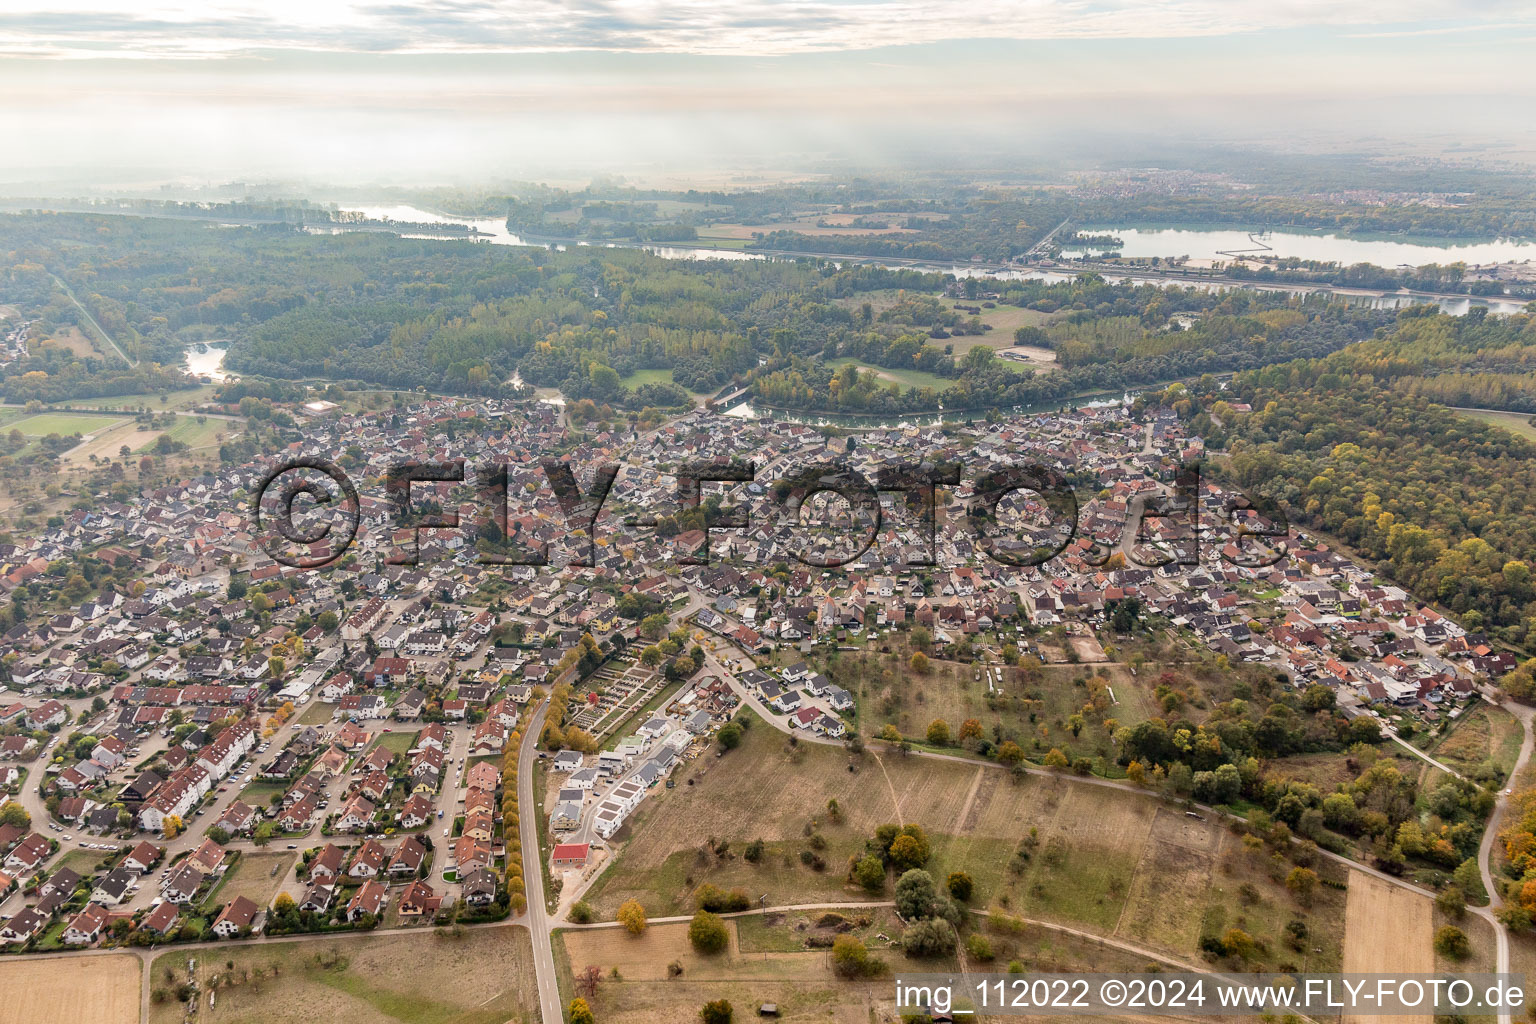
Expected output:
(496, 233)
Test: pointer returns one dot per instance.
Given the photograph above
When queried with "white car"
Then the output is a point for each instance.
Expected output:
(445, 833)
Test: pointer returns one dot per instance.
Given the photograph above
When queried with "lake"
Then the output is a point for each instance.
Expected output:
(209, 362)
(1218, 244)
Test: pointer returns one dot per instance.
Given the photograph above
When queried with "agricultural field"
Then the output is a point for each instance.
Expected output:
(1375, 909)
(483, 976)
(256, 876)
(1088, 856)
(103, 990)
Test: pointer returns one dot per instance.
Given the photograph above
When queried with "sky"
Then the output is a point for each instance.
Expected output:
(453, 91)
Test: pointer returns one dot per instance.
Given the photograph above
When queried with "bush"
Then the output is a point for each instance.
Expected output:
(851, 959)
(581, 912)
(869, 871)
(960, 886)
(718, 901)
(1451, 941)
(717, 1011)
(929, 938)
(707, 934)
(979, 946)
(580, 1012)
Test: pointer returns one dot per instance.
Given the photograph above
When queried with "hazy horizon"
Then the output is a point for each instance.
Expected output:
(113, 95)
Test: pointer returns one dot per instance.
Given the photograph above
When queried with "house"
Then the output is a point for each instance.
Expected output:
(355, 815)
(416, 812)
(24, 926)
(182, 884)
(419, 900)
(86, 926)
(317, 898)
(236, 918)
(28, 855)
(368, 861)
(326, 864)
(479, 888)
(570, 855)
(142, 857)
(470, 854)
(566, 817)
(207, 858)
(408, 858)
(567, 761)
(115, 887)
(161, 919)
(369, 900)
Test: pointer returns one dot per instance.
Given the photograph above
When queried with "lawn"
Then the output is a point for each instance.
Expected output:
(394, 742)
(639, 377)
(193, 434)
(484, 976)
(906, 378)
(64, 423)
(256, 876)
(801, 983)
(174, 400)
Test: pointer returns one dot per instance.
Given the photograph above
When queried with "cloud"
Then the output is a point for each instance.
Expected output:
(221, 28)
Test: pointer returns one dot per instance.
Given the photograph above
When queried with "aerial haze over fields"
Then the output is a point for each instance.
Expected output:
(645, 512)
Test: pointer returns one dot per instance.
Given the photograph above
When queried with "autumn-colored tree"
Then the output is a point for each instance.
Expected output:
(938, 732)
(970, 729)
(919, 663)
(632, 917)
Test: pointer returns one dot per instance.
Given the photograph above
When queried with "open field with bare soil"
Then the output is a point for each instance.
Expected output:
(484, 976)
(1387, 929)
(254, 877)
(102, 990)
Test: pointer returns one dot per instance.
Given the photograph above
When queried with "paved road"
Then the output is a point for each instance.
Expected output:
(537, 917)
(1524, 715)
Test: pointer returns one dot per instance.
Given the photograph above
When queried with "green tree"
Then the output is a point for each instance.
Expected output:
(1451, 942)
(960, 886)
(706, 932)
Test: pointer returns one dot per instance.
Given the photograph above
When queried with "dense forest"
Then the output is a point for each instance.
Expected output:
(1440, 501)
(1112, 337)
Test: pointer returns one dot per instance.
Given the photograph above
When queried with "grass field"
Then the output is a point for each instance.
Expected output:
(484, 976)
(906, 378)
(640, 377)
(102, 990)
(1484, 734)
(191, 433)
(1376, 909)
(1514, 422)
(802, 984)
(174, 400)
(1031, 710)
(1052, 849)
(395, 742)
(63, 423)
(254, 878)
